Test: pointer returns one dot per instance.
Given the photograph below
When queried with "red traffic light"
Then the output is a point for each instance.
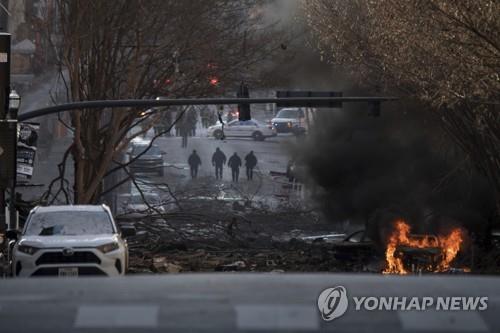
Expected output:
(214, 81)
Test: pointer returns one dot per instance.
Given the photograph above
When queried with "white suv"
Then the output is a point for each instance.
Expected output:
(71, 241)
(289, 120)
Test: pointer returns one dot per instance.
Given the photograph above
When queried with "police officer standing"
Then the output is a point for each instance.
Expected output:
(250, 163)
(194, 163)
(218, 160)
(235, 163)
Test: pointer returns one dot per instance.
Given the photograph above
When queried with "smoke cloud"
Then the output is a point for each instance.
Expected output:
(373, 170)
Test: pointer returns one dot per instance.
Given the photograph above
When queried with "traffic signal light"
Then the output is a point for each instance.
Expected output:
(214, 81)
(298, 94)
(243, 108)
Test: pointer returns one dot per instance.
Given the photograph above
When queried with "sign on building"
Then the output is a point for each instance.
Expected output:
(26, 149)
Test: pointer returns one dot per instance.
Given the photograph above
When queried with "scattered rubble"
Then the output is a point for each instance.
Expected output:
(227, 233)
(256, 241)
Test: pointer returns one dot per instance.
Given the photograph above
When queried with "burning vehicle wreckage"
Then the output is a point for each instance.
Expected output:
(412, 253)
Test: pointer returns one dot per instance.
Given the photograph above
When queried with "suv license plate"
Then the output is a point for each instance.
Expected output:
(68, 272)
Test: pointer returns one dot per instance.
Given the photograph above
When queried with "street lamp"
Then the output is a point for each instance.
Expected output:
(14, 104)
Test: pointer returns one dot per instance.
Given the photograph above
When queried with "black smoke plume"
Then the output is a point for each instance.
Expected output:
(373, 170)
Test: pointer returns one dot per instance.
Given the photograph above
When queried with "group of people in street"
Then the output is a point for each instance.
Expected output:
(219, 159)
(186, 126)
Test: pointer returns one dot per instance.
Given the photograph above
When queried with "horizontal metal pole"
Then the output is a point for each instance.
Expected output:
(190, 101)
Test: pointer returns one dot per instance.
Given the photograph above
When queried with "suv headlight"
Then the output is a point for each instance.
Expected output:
(105, 248)
(31, 250)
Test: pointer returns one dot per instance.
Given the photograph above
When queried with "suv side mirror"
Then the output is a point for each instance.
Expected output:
(128, 231)
(12, 234)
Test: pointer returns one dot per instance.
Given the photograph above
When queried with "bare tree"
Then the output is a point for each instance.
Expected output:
(445, 53)
(143, 49)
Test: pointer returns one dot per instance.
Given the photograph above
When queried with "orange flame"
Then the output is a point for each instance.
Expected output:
(448, 247)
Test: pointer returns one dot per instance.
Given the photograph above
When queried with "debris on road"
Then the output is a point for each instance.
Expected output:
(255, 240)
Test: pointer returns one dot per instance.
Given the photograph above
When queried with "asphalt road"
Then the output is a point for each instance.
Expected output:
(272, 154)
(235, 302)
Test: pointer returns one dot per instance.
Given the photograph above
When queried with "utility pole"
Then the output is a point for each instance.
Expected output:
(6, 148)
(14, 103)
(243, 108)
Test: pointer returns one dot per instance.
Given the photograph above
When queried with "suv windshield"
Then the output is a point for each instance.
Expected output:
(287, 113)
(69, 223)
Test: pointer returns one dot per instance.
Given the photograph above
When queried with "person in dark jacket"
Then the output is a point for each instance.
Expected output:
(250, 163)
(218, 160)
(235, 163)
(194, 163)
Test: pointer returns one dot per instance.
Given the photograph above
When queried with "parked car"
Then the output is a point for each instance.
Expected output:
(289, 120)
(137, 205)
(244, 128)
(70, 241)
(151, 161)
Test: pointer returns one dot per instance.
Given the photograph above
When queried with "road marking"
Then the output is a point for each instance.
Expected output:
(26, 298)
(276, 317)
(460, 321)
(197, 297)
(102, 316)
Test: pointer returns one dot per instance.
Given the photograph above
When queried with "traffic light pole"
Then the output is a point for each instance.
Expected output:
(243, 108)
(148, 103)
(12, 223)
(3, 224)
(5, 39)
